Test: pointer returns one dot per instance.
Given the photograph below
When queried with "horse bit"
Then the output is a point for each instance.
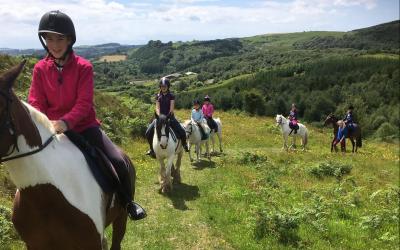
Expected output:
(8, 125)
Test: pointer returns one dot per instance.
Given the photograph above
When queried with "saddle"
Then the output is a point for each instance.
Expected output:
(102, 169)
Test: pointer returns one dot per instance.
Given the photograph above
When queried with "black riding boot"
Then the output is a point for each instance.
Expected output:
(184, 144)
(149, 137)
(135, 211)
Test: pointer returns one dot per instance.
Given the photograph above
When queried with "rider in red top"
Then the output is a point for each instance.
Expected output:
(208, 111)
(62, 89)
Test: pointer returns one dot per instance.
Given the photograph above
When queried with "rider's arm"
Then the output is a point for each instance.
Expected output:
(37, 97)
(157, 107)
(84, 100)
(171, 110)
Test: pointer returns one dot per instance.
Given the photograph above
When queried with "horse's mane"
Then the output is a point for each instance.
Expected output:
(186, 122)
(39, 117)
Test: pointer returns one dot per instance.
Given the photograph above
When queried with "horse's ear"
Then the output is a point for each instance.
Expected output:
(8, 78)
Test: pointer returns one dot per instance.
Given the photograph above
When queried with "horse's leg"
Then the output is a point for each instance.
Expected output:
(167, 185)
(220, 141)
(104, 243)
(213, 141)
(177, 174)
(332, 144)
(190, 151)
(352, 143)
(285, 146)
(208, 151)
(119, 227)
(197, 152)
(162, 173)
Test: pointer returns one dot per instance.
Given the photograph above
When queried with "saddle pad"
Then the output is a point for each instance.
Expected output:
(100, 166)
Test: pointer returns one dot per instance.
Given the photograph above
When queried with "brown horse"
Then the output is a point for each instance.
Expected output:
(58, 203)
(354, 134)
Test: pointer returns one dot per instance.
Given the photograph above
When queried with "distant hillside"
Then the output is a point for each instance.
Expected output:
(87, 51)
(383, 37)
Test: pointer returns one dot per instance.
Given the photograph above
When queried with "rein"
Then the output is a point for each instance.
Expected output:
(7, 124)
(43, 146)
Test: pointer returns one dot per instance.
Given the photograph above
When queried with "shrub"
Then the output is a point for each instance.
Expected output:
(387, 131)
(284, 226)
(7, 232)
(330, 169)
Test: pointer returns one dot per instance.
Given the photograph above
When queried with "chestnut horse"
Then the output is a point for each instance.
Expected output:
(58, 203)
(355, 134)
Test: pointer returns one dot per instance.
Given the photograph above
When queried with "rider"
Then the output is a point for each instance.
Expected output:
(293, 118)
(349, 118)
(208, 110)
(198, 117)
(165, 103)
(62, 88)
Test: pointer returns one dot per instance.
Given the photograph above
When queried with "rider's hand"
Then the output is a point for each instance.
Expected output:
(59, 126)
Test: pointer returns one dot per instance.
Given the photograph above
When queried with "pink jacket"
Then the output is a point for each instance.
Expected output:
(208, 110)
(65, 95)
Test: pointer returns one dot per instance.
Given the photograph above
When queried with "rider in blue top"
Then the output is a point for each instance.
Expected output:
(198, 117)
(341, 135)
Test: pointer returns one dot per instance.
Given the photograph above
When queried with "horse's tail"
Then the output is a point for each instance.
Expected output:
(305, 137)
(359, 140)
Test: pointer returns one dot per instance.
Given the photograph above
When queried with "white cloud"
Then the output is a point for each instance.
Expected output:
(99, 21)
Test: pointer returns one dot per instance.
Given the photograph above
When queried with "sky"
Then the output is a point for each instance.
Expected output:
(137, 22)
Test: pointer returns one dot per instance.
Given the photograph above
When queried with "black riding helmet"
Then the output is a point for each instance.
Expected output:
(164, 81)
(206, 98)
(196, 101)
(59, 23)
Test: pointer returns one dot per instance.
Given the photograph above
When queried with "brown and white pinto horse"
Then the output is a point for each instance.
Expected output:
(58, 203)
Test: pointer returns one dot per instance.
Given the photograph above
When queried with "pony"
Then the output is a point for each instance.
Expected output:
(58, 203)
(194, 135)
(166, 146)
(218, 133)
(287, 131)
(354, 134)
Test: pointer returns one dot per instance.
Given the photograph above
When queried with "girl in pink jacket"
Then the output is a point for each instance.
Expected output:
(62, 88)
(208, 111)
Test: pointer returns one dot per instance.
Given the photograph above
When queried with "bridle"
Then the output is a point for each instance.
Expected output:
(280, 122)
(7, 125)
(163, 134)
(189, 133)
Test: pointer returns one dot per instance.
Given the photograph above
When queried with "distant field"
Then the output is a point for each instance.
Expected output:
(112, 58)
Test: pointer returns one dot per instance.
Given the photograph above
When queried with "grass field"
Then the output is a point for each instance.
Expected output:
(255, 196)
(113, 58)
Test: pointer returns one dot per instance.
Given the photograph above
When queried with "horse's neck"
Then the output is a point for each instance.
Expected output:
(42, 123)
(62, 165)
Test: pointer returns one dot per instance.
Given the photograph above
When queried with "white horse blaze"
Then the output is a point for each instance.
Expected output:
(62, 165)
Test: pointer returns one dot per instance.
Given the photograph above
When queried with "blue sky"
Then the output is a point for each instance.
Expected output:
(137, 22)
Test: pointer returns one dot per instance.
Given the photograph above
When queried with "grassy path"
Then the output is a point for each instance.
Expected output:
(218, 204)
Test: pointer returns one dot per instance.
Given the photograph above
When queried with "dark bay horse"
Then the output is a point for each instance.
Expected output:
(58, 203)
(354, 134)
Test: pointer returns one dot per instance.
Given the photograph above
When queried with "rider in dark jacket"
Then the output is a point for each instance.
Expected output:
(165, 102)
(349, 118)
